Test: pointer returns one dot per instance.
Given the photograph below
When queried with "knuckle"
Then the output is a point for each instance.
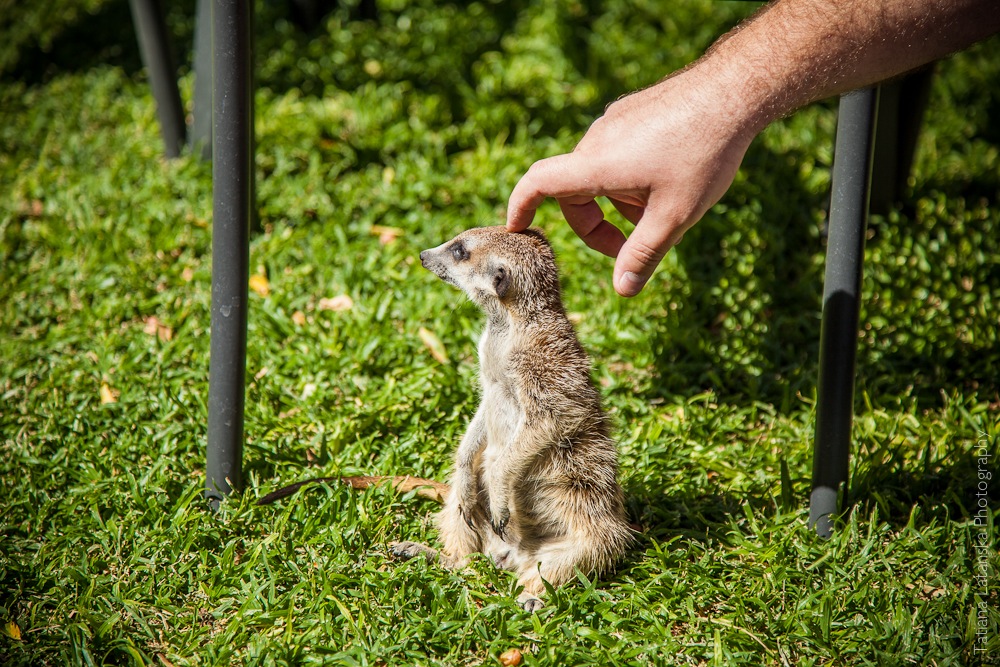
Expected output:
(535, 171)
(647, 254)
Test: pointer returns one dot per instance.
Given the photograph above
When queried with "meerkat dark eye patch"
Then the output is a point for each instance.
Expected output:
(459, 252)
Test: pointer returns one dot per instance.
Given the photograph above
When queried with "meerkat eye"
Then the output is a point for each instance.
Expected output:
(459, 252)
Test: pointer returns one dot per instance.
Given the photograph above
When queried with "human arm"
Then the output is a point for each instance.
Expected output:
(664, 155)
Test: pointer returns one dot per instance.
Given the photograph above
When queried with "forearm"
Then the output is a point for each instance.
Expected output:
(472, 443)
(798, 51)
(667, 153)
(510, 468)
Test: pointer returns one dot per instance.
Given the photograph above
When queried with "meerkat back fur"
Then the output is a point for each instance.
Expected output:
(534, 483)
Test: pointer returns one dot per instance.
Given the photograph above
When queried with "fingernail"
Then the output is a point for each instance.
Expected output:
(631, 283)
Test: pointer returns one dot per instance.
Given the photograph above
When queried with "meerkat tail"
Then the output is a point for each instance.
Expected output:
(425, 488)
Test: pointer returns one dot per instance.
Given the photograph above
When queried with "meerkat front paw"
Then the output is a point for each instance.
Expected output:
(466, 497)
(467, 506)
(499, 508)
(499, 518)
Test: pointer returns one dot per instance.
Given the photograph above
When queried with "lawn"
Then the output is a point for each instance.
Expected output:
(377, 139)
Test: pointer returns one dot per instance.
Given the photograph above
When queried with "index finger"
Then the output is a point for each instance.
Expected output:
(558, 176)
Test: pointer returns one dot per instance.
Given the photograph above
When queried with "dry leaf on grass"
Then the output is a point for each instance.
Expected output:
(337, 303)
(434, 344)
(154, 327)
(299, 318)
(11, 630)
(386, 235)
(511, 658)
(260, 285)
(108, 395)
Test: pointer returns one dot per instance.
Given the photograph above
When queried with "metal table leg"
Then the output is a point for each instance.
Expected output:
(201, 128)
(154, 44)
(852, 171)
(232, 201)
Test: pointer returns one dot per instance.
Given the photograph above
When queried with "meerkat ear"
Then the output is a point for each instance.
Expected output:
(501, 280)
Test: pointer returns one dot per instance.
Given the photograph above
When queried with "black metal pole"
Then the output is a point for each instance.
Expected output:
(154, 45)
(232, 184)
(851, 188)
(201, 128)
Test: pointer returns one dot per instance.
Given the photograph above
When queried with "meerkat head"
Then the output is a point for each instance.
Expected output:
(494, 266)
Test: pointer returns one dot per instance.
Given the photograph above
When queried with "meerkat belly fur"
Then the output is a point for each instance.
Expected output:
(534, 483)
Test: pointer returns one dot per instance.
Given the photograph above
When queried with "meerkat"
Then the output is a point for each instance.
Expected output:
(534, 483)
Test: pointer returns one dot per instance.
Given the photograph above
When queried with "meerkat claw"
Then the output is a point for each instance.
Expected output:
(500, 526)
(402, 550)
(467, 517)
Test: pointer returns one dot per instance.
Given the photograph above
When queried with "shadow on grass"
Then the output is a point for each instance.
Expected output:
(708, 343)
(889, 478)
(944, 489)
(770, 354)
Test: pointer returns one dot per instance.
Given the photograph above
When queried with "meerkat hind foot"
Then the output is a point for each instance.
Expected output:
(530, 603)
(408, 550)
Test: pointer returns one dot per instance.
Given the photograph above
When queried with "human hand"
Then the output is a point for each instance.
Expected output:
(663, 156)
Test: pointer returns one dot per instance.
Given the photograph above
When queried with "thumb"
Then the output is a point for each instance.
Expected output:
(643, 251)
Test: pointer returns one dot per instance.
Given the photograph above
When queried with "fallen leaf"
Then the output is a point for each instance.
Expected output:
(187, 275)
(154, 327)
(11, 630)
(337, 303)
(386, 235)
(933, 591)
(433, 344)
(259, 284)
(511, 658)
(299, 318)
(108, 395)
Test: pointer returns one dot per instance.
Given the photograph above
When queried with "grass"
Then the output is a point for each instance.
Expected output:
(421, 122)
